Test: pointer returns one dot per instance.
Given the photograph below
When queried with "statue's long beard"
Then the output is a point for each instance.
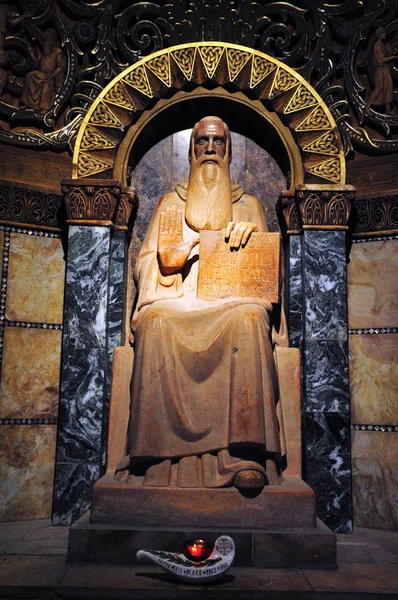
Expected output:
(209, 200)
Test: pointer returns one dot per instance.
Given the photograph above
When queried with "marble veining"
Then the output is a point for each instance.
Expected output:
(86, 287)
(295, 291)
(327, 467)
(375, 479)
(327, 382)
(72, 492)
(81, 405)
(325, 286)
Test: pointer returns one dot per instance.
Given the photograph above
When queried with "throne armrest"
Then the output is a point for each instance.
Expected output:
(122, 369)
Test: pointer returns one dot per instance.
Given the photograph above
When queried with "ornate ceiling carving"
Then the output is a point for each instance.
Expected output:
(331, 44)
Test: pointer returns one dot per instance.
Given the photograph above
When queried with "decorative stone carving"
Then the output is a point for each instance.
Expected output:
(93, 202)
(376, 215)
(29, 207)
(296, 103)
(316, 207)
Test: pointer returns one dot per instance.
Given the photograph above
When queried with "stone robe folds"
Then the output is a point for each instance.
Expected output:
(204, 387)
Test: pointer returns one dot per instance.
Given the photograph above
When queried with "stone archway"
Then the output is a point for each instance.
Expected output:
(285, 97)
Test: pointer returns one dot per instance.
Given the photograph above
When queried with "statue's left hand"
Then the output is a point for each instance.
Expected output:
(238, 234)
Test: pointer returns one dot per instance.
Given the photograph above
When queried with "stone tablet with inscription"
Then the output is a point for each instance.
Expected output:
(250, 272)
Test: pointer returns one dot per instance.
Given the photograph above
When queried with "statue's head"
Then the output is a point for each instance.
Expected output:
(380, 33)
(49, 41)
(209, 200)
(210, 136)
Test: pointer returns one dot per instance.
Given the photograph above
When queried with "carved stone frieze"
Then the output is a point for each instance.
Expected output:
(93, 202)
(376, 216)
(295, 102)
(30, 208)
(335, 46)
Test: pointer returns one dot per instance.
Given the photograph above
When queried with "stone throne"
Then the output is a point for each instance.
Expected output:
(148, 514)
(279, 104)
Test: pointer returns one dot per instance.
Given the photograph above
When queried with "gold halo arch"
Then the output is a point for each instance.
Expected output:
(286, 100)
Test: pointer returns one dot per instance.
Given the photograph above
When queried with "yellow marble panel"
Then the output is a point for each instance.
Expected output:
(27, 456)
(30, 373)
(374, 378)
(35, 289)
(375, 479)
(373, 285)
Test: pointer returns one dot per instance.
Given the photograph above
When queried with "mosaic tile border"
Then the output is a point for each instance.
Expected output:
(372, 330)
(27, 231)
(32, 325)
(381, 428)
(376, 238)
(28, 421)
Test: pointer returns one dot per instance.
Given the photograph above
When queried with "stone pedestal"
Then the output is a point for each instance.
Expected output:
(98, 213)
(273, 547)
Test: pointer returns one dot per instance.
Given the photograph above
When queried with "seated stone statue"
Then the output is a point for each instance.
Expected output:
(204, 388)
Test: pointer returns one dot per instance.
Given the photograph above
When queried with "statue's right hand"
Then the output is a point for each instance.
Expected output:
(173, 252)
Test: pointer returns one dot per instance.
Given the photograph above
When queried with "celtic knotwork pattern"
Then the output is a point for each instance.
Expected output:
(283, 81)
(185, 59)
(138, 79)
(211, 56)
(119, 96)
(93, 140)
(160, 66)
(104, 116)
(302, 98)
(236, 60)
(261, 68)
(327, 169)
(317, 120)
(325, 144)
(90, 165)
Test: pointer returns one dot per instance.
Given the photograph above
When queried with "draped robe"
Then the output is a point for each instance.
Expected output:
(204, 387)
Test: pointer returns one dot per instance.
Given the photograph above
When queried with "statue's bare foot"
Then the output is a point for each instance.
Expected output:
(250, 479)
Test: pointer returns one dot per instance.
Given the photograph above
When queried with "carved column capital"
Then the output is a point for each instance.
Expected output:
(126, 209)
(289, 214)
(92, 201)
(324, 206)
(316, 207)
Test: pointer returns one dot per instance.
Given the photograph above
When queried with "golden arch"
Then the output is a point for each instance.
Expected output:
(285, 99)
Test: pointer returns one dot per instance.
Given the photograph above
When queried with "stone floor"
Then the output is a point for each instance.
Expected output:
(33, 566)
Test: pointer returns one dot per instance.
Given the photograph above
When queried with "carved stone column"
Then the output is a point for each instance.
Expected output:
(317, 314)
(98, 215)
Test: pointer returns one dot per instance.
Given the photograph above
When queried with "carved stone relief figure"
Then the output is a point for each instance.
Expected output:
(204, 387)
(383, 84)
(41, 85)
(8, 19)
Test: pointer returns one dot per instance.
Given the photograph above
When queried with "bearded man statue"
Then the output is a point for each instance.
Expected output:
(204, 394)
